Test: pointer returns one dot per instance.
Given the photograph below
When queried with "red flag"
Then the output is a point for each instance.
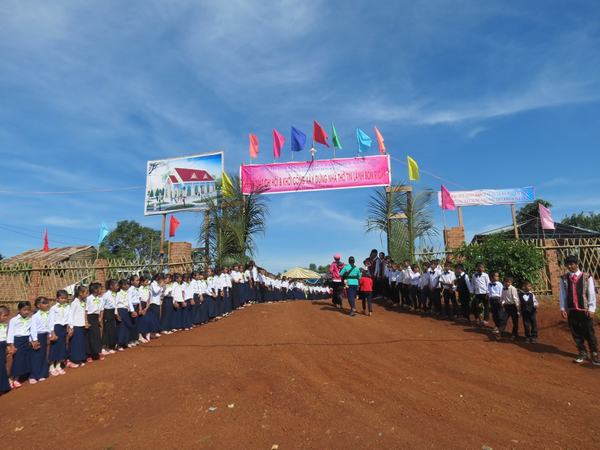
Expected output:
(380, 141)
(278, 141)
(546, 218)
(447, 202)
(319, 134)
(253, 149)
(46, 246)
(173, 225)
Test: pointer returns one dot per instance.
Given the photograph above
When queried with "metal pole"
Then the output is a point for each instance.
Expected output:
(161, 250)
(411, 236)
(388, 224)
(514, 218)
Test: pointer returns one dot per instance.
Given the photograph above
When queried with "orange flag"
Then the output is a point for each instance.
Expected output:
(253, 149)
(380, 141)
(46, 246)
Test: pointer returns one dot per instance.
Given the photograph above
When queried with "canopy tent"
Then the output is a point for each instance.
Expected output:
(301, 274)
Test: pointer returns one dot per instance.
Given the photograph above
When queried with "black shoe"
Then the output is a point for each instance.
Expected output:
(595, 359)
(581, 358)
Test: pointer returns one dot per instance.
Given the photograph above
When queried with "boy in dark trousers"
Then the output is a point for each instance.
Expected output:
(463, 289)
(529, 305)
(578, 305)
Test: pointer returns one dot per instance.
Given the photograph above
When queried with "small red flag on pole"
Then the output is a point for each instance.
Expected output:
(319, 134)
(253, 149)
(278, 141)
(46, 246)
(447, 202)
(173, 225)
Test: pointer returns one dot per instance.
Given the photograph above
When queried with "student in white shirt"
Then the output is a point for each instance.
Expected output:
(424, 287)
(143, 321)
(211, 295)
(94, 309)
(435, 291)
(479, 288)
(77, 326)
(59, 321)
(404, 281)
(415, 279)
(125, 313)
(463, 289)
(19, 330)
(157, 288)
(495, 289)
(109, 318)
(40, 333)
(178, 303)
(167, 310)
(510, 304)
(4, 319)
(188, 295)
(133, 294)
(528, 306)
(447, 278)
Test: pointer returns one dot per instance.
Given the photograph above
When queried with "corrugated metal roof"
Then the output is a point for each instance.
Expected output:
(54, 255)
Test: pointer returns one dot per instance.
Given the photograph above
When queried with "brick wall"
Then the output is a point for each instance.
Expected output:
(180, 251)
(454, 237)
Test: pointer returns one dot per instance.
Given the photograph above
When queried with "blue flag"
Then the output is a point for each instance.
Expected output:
(363, 139)
(103, 233)
(298, 140)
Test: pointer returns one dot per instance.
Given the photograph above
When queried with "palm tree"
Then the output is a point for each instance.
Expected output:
(387, 204)
(232, 223)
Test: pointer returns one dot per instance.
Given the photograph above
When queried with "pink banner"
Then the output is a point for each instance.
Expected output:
(318, 175)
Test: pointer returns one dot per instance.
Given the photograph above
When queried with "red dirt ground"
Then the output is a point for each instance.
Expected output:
(303, 375)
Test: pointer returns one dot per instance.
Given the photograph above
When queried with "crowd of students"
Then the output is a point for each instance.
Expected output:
(98, 321)
(448, 292)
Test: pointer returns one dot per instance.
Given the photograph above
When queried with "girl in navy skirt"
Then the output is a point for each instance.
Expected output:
(94, 310)
(203, 296)
(167, 307)
(125, 313)
(226, 286)
(59, 319)
(211, 295)
(178, 304)
(40, 331)
(196, 310)
(134, 300)
(188, 295)
(77, 329)
(109, 318)
(143, 319)
(4, 381)
(19, 330)
(153, 315)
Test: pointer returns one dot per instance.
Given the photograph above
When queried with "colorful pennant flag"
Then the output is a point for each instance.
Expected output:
(173, 225)
(227, 185)
(363, 139)
(253, 149)
(319, 134)
(546, 218)
(278, 141)
(380, 141)
(447, 202)
(413, 169)
(334, 138)
(298, 140)
(102, 233)
(46, 246)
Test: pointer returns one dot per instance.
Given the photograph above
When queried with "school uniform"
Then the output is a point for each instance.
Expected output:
(479, 288)
(405, 286)
(197, 296)
(109, 320)
(495, 296)
(188, 314)
(177, 317)
(435, 291)
(134, 299)
(235, 289)
(528, 306)
(211, 294)
(4, 380)
(59, 320)
(124, 311)
(447, 279)
(40, 331)
(424, 291)
(578, 298)
(167, 311)
(203, 292)
(142, 319)
(19, 331)
(463, 289)
(415, 278)
(510, 303)
(77, 344)
(93, 308)
(153, 314)
(225, 283)
(256, 284)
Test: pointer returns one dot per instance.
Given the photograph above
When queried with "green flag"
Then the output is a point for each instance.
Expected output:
(334, 137)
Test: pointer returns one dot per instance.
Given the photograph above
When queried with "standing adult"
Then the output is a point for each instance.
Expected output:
(351, 274)
(337, 283)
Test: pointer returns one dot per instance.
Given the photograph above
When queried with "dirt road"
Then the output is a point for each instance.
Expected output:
(303, 375)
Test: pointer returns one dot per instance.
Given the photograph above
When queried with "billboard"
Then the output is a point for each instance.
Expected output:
(487, 197)
(318, 175)
(182, 184)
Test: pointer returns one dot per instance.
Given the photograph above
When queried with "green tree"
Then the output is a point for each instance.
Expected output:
(514, 258)
(132, 241)
(531, 210)
(313, 267)
(382, 206)
(589, 220)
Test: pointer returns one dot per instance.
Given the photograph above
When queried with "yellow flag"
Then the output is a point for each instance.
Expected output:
(228, 190)
(413, 169)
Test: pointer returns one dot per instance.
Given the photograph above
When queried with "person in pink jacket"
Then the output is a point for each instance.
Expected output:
(337, 284)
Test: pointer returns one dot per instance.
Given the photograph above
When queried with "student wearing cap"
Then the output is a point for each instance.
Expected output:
(336, 280)
(578, 305)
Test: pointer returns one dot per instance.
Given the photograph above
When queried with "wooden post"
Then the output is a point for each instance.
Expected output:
(161, 250)
(411, 238)
(514, 218)
(460, 219)
(388, 222)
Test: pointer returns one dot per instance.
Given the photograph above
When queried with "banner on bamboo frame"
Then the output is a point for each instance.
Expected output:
(487, 197)
(318, 175)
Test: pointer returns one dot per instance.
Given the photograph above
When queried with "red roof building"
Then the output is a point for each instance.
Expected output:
(181, 175)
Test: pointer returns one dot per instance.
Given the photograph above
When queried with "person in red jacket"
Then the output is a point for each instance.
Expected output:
(365, 292)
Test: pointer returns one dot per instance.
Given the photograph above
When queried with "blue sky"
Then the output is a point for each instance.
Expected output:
(485, 94)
